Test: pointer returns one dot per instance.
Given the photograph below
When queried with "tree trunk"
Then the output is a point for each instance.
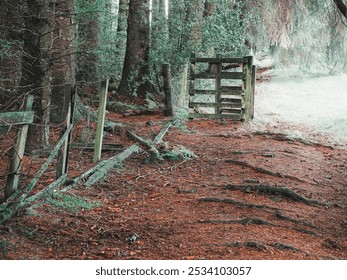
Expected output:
(63, 60)
(10, 53)
(210, 8)
(88, 42)
(121, 32)
(342, 7)
(135, 77)
(36, 66)
(197, 9)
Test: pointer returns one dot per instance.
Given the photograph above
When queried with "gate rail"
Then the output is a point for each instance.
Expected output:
(231, 101)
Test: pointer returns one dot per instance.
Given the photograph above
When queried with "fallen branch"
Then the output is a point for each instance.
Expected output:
(162, 133)
(56, 184)
(148, 144)
(99, 171)
(15, 203)
(109, 164)
(284, 192)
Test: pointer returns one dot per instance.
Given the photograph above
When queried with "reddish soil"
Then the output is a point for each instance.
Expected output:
(180, 210)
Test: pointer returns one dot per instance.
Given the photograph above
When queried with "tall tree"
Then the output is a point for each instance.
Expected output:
(36, 65)
(87, 43)
(11, 21)
(63, 70)
(342, 7)
(135, 76)
(123, 9)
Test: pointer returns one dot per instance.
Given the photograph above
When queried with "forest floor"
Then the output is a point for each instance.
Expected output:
(223, 204)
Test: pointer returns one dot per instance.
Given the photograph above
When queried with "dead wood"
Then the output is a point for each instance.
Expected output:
(274, 190)
(98, 172)
(54, 185)
(162, 133)
(148, 144)
(18, 200)
(109, 164)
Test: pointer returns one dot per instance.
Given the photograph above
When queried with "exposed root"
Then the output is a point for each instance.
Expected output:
(269, 172)
(235, 202)
(283, 191)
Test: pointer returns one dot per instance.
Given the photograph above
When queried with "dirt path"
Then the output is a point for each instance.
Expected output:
(201, 208)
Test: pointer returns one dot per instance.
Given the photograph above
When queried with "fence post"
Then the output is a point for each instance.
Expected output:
(167, 89)
(247, 68)
(17, 155)
(218, 84)
(182, 98)
(63, 154)
(101, 121)
(254, 71)
(191, 82)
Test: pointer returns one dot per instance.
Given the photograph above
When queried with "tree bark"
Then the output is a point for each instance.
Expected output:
(88, 41)
(36, 66)
(62, 60)
(122, 30)
(342, 7)
(135, 77)
(10, 53)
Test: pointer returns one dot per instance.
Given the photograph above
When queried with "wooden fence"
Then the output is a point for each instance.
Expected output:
(232, 95)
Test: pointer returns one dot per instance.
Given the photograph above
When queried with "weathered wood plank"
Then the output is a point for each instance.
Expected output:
(223, 75)
(233, 89)
(215, 104)
(16, 118)
(166, 73)
(202, 91)
(101, 121)
(236, 60)
(17, 156)
(235, 117)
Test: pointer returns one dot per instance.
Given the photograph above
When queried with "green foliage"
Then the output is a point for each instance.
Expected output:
(178, 154)
(5, 247)
(96, 41)
(72, 203)
(224, 31)
(7, 47)
(307, 35)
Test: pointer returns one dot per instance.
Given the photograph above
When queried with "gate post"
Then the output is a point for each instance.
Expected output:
(248, 87)
(17, 155)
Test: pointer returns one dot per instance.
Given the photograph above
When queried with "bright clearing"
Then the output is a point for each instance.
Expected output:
(312, 109)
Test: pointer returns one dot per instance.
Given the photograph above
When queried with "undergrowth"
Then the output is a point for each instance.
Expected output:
(72, 203)
(5, 247)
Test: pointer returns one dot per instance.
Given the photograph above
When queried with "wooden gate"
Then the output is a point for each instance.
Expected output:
(222, 88)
